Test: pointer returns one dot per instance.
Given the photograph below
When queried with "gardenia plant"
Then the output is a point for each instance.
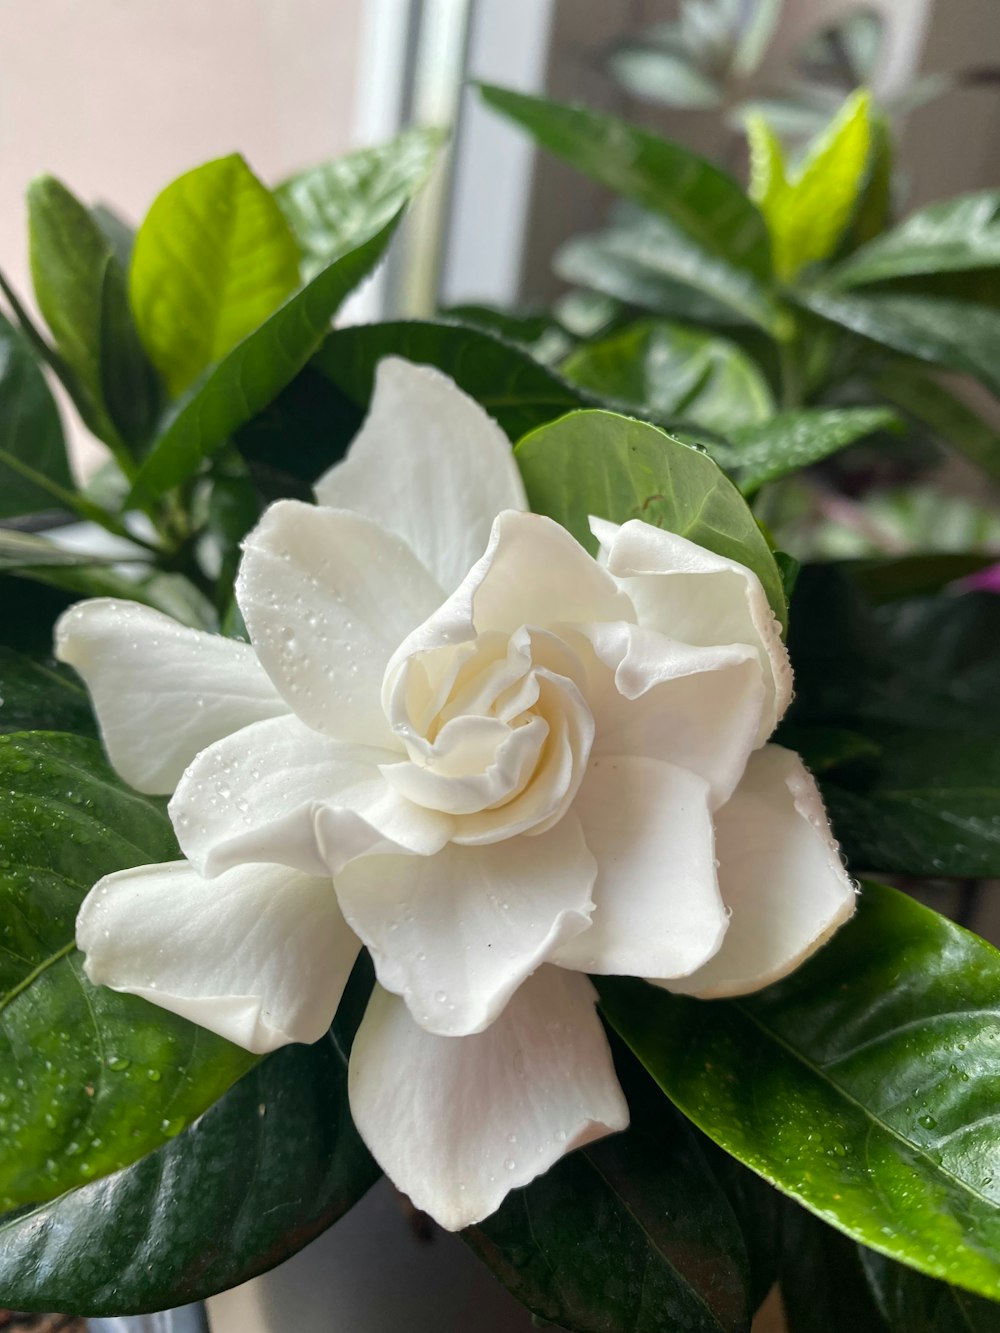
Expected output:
(500, 764)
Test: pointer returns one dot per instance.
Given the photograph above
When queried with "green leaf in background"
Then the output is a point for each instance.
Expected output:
(702, 201)
(912, 1303)
(665, 75)
(946, 237)
(252, 375)
(864, 1085)
(956, 335)
(213, 258)
(953, 421)
(80, 288)
(335, 206)
(652, 264)
(32, 448)
(513, 388)
(824, 1288)
(26, 550)
(808, 208)
(668, 371)
(89, 1080)
(42, 696)
(264, 1171)
(592, 1245)
(608, 465)
(927, 804)
(789, 441)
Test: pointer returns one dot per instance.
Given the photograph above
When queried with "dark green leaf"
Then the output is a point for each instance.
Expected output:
(652, 264)
(629, 1233)
(81, 291)
(864, 1085)
(259, 1175)
(964, 430)
(27, 613)
(513, 388)
(253, 374)
(604, 464)
(950, 236)
(89, 1080)
(32, 448)
(953, 334)
(927, 804)
(912, 1303)
(213, 258)
(702, 201)
(667, 371)
(335, 206)
(823, 1285)
(793, 440)
(41, 696)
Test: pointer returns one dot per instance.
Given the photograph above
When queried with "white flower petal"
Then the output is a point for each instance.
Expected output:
(781, 875)
(429, 465)
(327, 596)
(701, 598)
(455, 934)
(260, 955)
(658, 909)
(697, 708)
(458, 1122)
(280, 792)
(161, 691)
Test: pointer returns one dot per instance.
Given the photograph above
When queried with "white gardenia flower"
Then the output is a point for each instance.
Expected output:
(496, 762)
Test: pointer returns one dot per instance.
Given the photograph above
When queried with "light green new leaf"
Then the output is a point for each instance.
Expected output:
(652, 264)
(80, 287)
(615, 468)
(789, 441)
(703, 202)
(807, 208)
(956, 335)
(667, 371)
(252, 375)
(335, 206)
(32, 448)
(951, 236)
(213, 258)
(89, 1080)
(864, 1085)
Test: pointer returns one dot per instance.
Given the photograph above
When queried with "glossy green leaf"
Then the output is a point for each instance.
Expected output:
(863, 1085)
(253, 373)
(807, 208)
(80, 288)
(609, 465)
(652, 264)
(668, 371)
(266, 1169)
(89, 1080)
(927, 804)
(952, 420)
(335, 206)
(912, 1303)
(950, 236)
(213, 258)
(32, 448)
(703, 202)
(789, 441)
(953, 334)
(631, 1233)
(42, 696)
(513, 388)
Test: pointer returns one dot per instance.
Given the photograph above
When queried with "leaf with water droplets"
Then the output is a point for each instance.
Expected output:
(864, 1085)
(76, 1096)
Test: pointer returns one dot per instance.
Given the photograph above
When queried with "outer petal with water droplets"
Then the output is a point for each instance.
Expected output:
(260, 955)
(780, 874)
(458, 1122)
(161, 691)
